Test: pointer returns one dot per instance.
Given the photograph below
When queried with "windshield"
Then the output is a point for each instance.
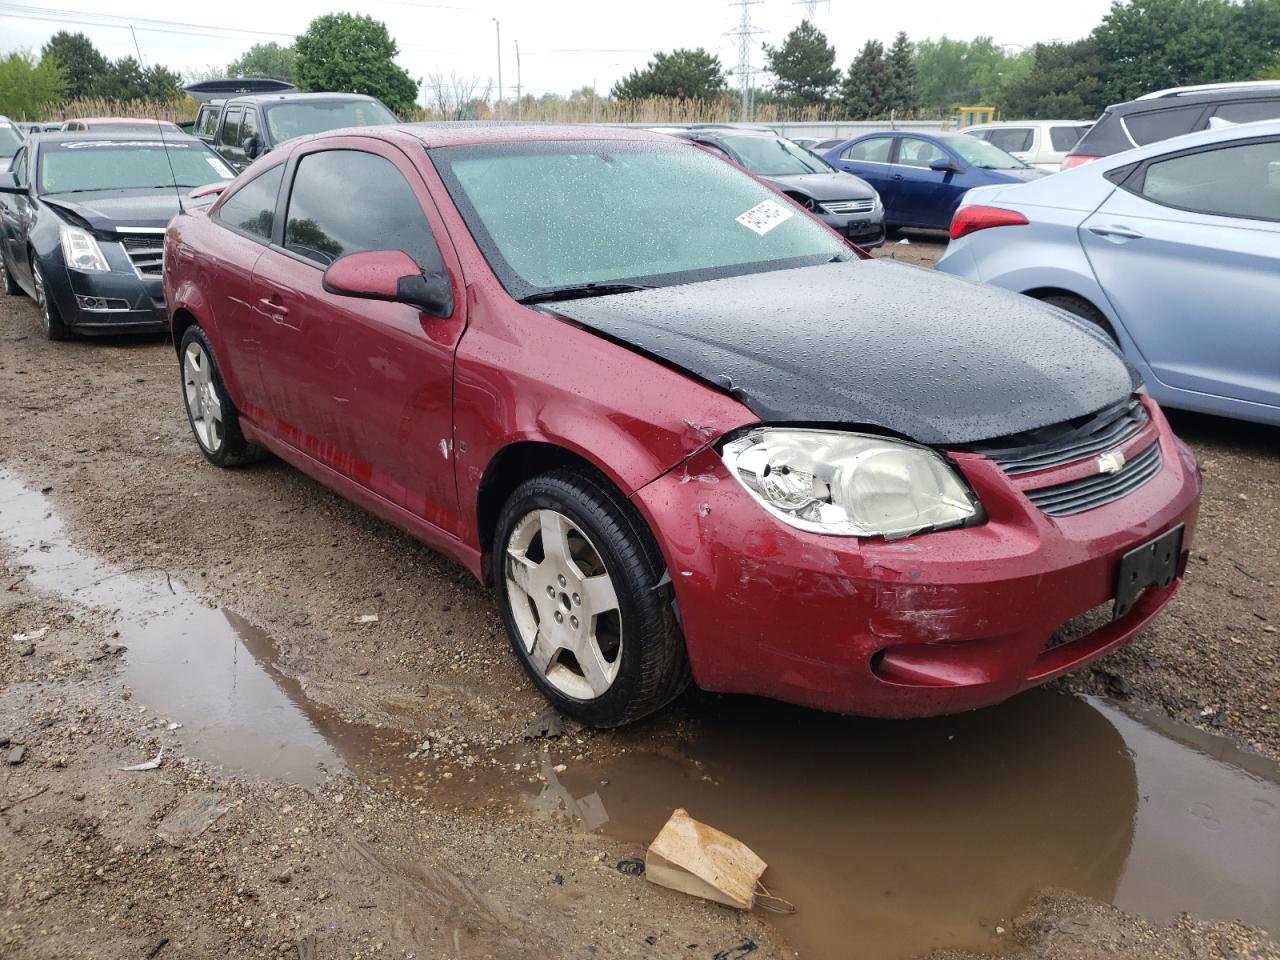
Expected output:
(984, 155)
(10, 139)
(775, 157)
(79, 165)
(557, 214)
(289, 120)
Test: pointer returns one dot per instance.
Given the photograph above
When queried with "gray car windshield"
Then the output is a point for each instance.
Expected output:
(549, 215)
(984, 155)
(289, 120)
(775, 157)
(81, 165)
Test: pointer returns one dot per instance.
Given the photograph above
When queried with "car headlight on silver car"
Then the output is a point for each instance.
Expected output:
(849, 484)
(80, 251)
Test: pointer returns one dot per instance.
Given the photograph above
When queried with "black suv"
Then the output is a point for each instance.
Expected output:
(1171, 113)
(244, 128)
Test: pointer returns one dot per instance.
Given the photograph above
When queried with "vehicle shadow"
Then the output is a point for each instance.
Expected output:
(1243, 436)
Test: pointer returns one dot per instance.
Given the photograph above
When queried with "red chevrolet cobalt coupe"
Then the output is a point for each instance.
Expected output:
(684, 429)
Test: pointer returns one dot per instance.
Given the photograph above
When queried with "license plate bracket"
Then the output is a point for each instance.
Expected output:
(1155, 563)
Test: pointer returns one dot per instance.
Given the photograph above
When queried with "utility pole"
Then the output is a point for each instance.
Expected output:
(519, 108)
(745, 34)
(497, 110)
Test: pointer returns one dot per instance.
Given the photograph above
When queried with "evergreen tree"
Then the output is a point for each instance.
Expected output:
(82, 65)
(868, 89)
(685, 74)
(904, 78)
(805, 65)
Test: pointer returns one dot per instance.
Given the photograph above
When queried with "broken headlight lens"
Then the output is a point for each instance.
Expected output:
(849, 484)
(80, 251)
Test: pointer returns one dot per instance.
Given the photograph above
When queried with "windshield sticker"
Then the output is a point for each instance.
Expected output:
(763, 217)
(219, 168)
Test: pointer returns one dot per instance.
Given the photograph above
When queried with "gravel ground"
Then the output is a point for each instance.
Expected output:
(357, 865)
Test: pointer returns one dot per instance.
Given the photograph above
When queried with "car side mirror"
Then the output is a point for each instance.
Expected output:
(9, 184)
(390, 275)
(944, 166)
(251, 148)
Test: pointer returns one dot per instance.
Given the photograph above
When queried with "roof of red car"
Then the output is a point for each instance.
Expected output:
(453, 133)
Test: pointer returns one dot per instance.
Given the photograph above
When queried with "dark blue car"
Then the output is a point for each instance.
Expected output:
(921, 177)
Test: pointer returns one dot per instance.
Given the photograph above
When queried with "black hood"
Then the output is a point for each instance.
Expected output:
(931, 357)
(825, 186)
(105, 210)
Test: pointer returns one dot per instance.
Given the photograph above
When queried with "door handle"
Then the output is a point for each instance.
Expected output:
(275, 309)
(896, 176)
(1116, 233)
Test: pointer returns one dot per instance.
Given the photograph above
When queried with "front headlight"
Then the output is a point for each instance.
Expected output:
(80, 251)
(875, 200)
(849, 484)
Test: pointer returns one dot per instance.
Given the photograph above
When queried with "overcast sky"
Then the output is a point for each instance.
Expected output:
(563, 43)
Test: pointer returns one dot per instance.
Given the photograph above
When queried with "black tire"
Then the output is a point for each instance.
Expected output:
(1081, 308)
(54, 328)
(232, 450)
(7, 283)
(653, 668)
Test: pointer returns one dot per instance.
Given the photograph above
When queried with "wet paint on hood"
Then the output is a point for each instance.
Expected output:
(875, 343)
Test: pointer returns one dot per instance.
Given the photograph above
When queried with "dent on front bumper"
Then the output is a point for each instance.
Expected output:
(932, 624)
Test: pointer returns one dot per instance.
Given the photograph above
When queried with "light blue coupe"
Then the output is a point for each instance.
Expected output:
(1173, 248)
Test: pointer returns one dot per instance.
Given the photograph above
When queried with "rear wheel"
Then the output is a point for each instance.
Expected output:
(580, 588)
(54, 328)
(1082, 308)
(9, 285)
(214, 420)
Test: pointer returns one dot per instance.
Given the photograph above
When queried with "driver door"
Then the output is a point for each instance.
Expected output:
(925, 197)
(364, 387)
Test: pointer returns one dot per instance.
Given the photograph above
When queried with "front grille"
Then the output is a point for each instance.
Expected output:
(843, 208)
(1067, 442)
(146, 253)
(1067, 499)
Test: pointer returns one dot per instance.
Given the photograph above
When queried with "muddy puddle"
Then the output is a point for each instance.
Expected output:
(891, 837)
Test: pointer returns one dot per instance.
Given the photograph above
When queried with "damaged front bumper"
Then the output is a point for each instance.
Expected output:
(936, 623)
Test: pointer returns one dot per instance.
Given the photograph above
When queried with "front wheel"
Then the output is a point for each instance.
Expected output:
(214, 420)
(580, 587)
(54, 328)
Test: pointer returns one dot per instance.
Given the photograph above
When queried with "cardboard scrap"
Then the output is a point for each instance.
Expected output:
(698, 859)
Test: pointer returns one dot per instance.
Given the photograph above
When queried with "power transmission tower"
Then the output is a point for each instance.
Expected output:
(811, 9)
(745, 33)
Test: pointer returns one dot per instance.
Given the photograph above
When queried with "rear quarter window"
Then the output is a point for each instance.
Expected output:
(1104, 138)
(1248, 111)
(1157, 125)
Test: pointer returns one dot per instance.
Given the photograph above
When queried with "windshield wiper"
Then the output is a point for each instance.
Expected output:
(578, 291)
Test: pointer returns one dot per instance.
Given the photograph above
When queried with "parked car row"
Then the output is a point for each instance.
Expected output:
(684, 426)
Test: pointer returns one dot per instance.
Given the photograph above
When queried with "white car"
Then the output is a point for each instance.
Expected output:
(1041, 143)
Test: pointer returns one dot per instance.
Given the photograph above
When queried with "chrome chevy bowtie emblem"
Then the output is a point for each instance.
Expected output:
(1111, 462)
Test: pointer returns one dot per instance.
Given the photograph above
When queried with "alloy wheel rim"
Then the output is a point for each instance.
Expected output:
(203, 404)
(37, 281)
(564, 604)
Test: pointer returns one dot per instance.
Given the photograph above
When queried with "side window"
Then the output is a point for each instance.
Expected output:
(1012, 139)
(1064, 138)
(1235, 181)
(979, 134)
(1249, 111)
(252, 208)
(920, 153)
(20, 168)
(249, 126)
(388, 216)
(1161, 124)
(231, 128)
(207, 123)
(869, 151)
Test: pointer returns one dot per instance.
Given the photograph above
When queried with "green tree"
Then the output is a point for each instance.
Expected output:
(867, 90)
(955, 72)
(82, 64)
(1151, 44)
(904, 78)
(30, 89)
(353, 53)
(684, 73)
(804, 66)
(1065, 82)
(264, 60)
(126, 79)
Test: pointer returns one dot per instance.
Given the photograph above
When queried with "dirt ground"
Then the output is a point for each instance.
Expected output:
(428, 821)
